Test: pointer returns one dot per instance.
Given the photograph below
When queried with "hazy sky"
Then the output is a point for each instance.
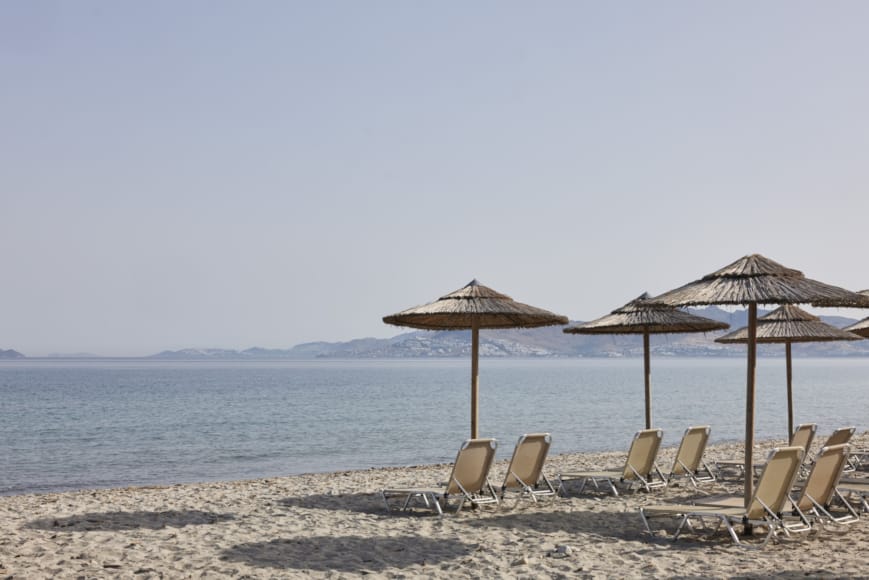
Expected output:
(234, 174)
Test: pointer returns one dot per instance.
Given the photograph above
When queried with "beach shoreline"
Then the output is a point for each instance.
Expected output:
(334, 525)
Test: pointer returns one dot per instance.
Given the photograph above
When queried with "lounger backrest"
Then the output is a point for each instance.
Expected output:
(840, 436)
(472, 465)
(824, 476)
(643, 452)
(528, 458)
(691, 449)
(803, 436)
(775, 482)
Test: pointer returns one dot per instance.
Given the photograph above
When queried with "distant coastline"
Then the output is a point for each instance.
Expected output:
(547, 342)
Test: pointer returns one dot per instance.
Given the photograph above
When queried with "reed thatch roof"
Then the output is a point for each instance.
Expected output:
(757, 279)
(638, 316)
(789, 324)
(859, 328)
(474, 305)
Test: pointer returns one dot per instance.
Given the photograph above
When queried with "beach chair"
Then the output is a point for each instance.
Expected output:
(689, 458)
(814, 497)
(851, 487)
(802, 437)
(525, 472)
(839, 437)
(468, 482)
(769, 499)
(820, 490)
(640, 469)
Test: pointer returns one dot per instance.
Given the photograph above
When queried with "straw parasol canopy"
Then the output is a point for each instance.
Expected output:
(788, 324)
(749, 281)
(474, 307)
(861, 328)
(640, 317)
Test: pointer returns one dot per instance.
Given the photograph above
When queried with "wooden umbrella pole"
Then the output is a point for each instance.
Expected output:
(475, 377)
(749, 402)
(790, 391)
(648, 368)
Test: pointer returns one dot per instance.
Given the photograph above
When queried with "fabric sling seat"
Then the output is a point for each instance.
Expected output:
(689, 457)
(802, 436)
(814, 497)
(640, 469)
(525, 471)
(856, 486)
(764, 509)
(468, 482)
(839, 437)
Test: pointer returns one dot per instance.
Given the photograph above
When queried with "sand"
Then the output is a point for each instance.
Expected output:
(335, 526)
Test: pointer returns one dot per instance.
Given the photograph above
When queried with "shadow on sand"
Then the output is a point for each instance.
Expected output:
(347, 553)
(612, 525)
(365, 503)
(117, 521)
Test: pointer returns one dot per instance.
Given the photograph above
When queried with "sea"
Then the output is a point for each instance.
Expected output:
(83, 424)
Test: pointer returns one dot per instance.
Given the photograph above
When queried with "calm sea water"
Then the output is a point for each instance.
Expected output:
(85, 424)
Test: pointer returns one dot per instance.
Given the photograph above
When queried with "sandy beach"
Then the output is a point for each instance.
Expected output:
(334, 525)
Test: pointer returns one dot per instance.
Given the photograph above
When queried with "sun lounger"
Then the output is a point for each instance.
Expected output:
(814, 497)
(525, 472)
(689, 458)
(820, 489)
(769, 499)
(468, 482)
(640, 469)
(802, 436)
(839, 437)
(856, 486)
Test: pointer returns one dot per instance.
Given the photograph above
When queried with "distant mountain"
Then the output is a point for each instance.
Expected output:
(537, 342)
(10, 354)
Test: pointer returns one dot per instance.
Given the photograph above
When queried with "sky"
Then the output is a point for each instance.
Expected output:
(234, 174)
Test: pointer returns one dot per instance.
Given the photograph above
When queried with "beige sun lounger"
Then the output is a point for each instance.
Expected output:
(856, 486)
(820, 490)
(640, 469)
(839, 437)
(802, 437)
(468, 482)
(689, 458)
(525, 472)
(814, 497)
(769, 499)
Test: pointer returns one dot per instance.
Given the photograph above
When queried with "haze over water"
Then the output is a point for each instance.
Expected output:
(83, 424)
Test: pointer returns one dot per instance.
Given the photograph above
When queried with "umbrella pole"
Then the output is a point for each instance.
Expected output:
(475, 376)
(749, 405)
(648, 369)
(790, 391)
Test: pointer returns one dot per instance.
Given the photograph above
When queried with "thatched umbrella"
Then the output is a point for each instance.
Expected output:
(862, 327)
(640, 317)
(788, 324)
(750, 281)
(474, 307)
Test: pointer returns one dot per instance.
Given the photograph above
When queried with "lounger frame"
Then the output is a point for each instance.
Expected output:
(468, 482)
(640, 471)
(689, 457)
(525, 471)
(764, 509)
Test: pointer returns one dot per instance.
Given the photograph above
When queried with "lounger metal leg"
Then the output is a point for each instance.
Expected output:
(680, 526)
